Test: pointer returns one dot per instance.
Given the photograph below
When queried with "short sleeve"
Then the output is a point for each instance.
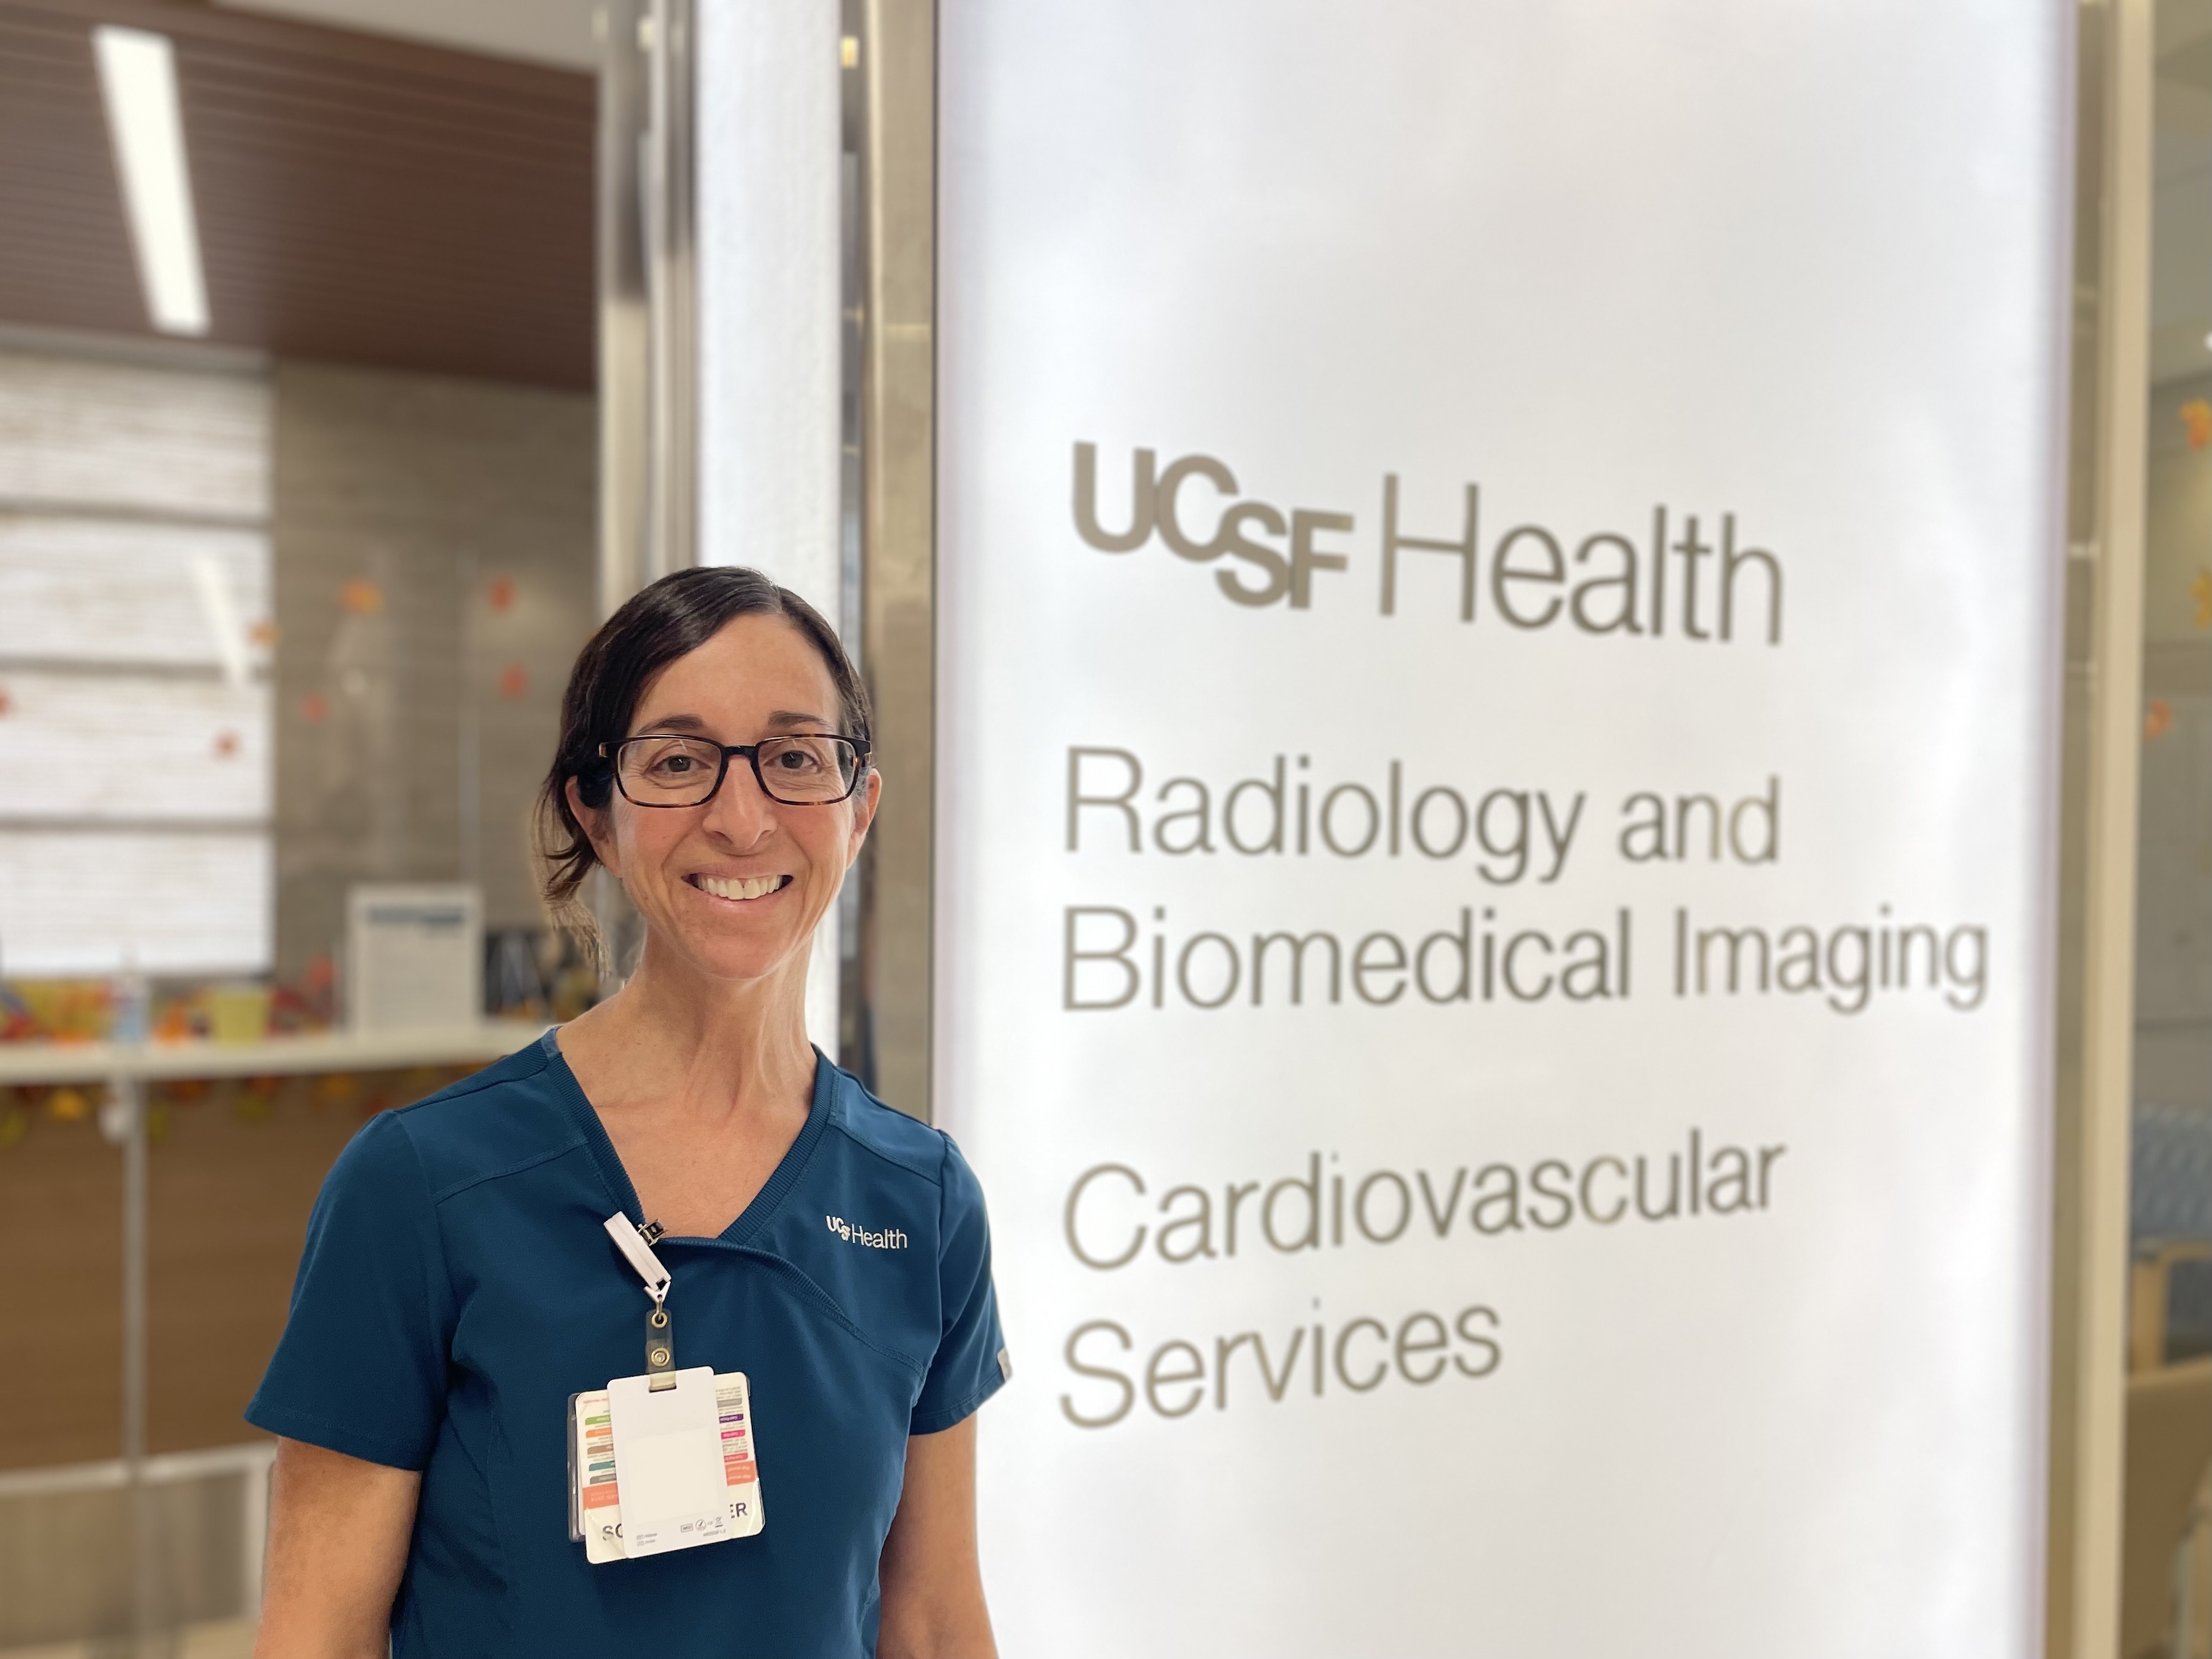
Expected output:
(970, 1365)
(360, 1367)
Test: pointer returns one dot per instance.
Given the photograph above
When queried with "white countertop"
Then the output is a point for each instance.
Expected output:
(323, 1051)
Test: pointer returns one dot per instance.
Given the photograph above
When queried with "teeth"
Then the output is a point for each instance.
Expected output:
(759, 887)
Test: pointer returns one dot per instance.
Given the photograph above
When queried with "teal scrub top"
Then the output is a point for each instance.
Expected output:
(457, 1287)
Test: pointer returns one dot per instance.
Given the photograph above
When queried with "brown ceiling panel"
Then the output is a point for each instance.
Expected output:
(360, 200)
(64, 252)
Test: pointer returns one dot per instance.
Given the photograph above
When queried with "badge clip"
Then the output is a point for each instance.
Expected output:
(660, 1333)
(638, 1252)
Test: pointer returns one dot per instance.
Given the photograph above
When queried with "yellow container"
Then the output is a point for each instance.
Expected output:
(238, 1013)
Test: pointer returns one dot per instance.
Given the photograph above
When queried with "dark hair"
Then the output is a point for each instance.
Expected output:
(671, 618)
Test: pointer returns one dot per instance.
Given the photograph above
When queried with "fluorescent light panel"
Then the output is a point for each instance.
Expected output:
(138, 81)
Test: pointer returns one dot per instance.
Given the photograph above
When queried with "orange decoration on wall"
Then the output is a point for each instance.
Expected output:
(226, 743)
(314, 709)
(5, 705)
(2197, 422)
(263, 633)
(2158, 718)
(2199, 590)
(364, 598)
(513, 680)
(499, 592)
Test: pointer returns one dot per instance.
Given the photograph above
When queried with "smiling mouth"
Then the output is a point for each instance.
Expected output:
(753, 888)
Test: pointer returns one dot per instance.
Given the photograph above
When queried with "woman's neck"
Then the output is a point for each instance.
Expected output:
(674, 1038)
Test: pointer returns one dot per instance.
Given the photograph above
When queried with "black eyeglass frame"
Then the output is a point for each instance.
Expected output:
(611, 753)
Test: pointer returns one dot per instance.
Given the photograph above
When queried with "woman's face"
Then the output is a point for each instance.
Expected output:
(737, 885)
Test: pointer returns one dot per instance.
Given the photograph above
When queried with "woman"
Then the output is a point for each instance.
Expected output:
(461, 1283)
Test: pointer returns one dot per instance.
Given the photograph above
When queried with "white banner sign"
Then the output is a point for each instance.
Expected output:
(1498, 573)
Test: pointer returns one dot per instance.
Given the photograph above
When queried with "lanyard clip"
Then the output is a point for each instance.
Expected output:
(639, 1255)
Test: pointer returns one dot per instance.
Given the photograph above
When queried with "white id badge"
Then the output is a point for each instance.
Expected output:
(595, 1497)
(667, 1445)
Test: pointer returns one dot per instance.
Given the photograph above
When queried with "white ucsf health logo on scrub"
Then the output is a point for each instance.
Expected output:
(890, 1239)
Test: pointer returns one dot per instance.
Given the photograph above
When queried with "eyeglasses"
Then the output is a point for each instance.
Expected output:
(809, 769)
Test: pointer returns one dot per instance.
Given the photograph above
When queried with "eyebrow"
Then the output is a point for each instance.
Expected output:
(783, 720)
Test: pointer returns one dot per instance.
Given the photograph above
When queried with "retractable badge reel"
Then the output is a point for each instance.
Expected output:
(636, 1247)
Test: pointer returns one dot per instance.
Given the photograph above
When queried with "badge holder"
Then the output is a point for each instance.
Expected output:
(664, 1460)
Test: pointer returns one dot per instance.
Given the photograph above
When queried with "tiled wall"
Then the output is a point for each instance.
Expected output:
(434, 579)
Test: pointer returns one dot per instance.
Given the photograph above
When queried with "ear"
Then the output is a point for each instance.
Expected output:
(597, 830)
(864, 802)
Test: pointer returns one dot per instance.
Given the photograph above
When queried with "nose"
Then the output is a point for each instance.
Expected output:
(741, 813)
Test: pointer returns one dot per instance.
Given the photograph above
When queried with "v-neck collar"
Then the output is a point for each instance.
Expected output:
(765, 1203)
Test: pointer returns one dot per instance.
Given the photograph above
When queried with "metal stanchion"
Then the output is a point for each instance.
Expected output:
(124, 1120)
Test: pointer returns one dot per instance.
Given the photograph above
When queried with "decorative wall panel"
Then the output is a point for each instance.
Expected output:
(134, 703)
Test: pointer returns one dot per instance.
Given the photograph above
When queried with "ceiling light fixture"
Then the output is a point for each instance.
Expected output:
(138, 82)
